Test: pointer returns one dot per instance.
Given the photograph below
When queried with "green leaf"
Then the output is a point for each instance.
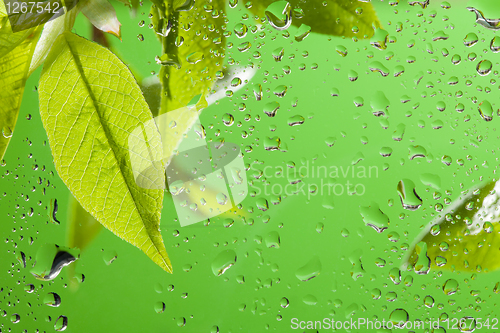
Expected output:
(337, 18)
(193, 52)
(466, 237)
(82, 227)
(89, 104)
(13, 74)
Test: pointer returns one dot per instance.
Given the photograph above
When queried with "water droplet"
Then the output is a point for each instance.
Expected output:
(399, 317)
(429, 301)
(450, 287)
(279, 15)
(273, 239)
(228, 119)
(486, 110)
(495, 44)
(471, 39)
(309, 300)
(184, 6)
(166, 60)
(303, 31)
(374, 217)
(271, 108)
(423, 264)
(492, 24)
(223, 262)
(284, 302)
(408, 195)
(484, 67)
(7, 132)
(61, 323)
(195, 57)
(52, 299)
(310, 270)
(109, 256)
(159, 307)
(15, 318)
(50, 260)
(379, 39)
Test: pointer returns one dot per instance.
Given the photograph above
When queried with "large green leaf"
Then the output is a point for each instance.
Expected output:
(465, 238)
(193, 50)
(89, 104)
(330, 17)
(13, 74)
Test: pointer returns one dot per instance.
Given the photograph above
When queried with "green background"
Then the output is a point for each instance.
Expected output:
(121, 297)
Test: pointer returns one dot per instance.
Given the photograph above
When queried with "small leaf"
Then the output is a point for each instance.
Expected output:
(196, 45)
(13, 74)
(337, 18)
(102, 15)
(89, 104)
(466, 237)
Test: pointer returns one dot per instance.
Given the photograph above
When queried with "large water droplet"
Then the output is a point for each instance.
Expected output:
(223, 262)
(484, 67)
(374, 217)
(50, 259)
(409, 197)
(309, 270)
(279, 15)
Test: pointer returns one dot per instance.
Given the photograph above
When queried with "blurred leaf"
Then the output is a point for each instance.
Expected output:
(193, 51)
(88, 127)
(336, 18)
(467, 235)
(52, 30)
(8, 39)
(13, 74)
(82, 227)
(102, 15)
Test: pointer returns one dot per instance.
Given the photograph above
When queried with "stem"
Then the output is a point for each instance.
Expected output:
(171, 27)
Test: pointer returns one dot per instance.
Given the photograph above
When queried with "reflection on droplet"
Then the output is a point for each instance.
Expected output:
(471, 39)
